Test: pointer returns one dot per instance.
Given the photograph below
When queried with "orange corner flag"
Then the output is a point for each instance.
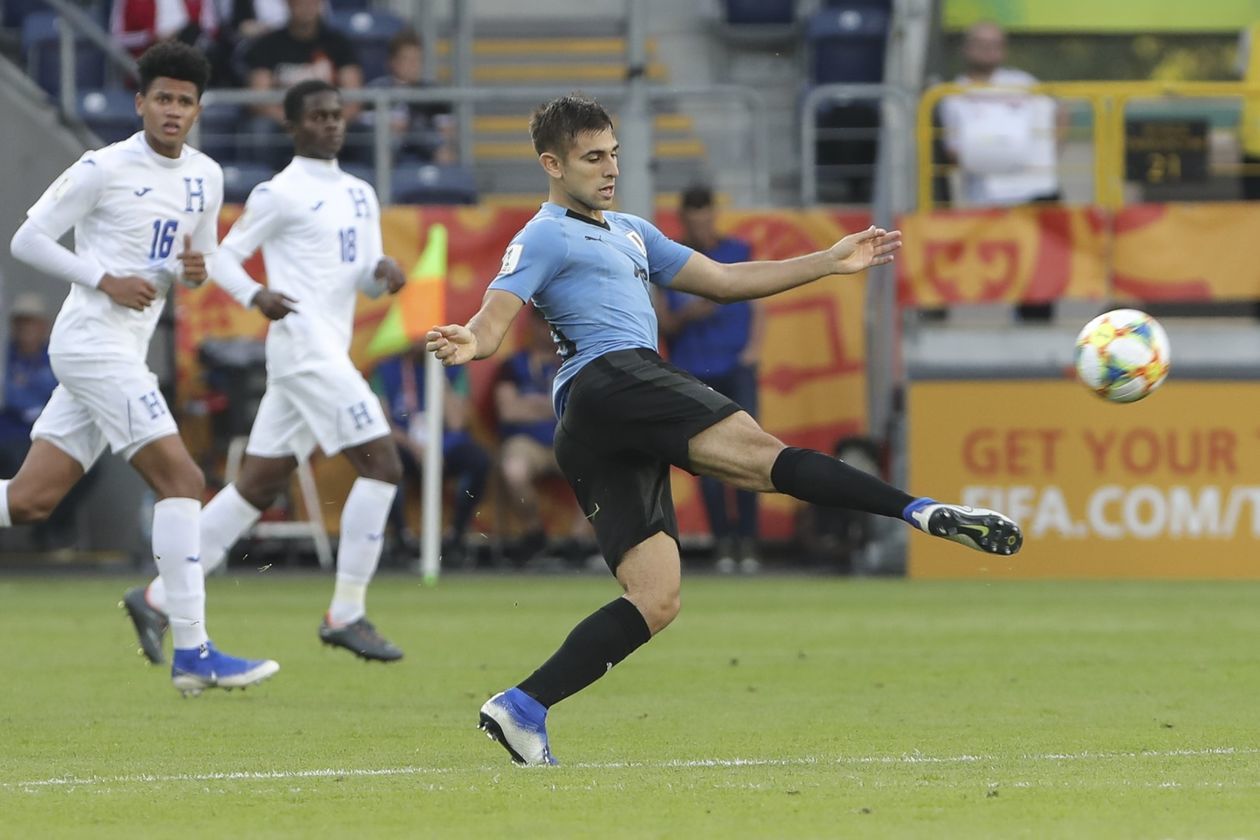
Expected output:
(420, 303)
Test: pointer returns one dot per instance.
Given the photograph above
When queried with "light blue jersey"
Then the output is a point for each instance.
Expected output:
(590, 282)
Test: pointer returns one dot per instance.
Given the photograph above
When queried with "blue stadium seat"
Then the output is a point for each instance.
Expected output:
(433, 184)
(363, 171)
(40, 46)
(847, 42)
(110, 114)
(370, 32)
(240, 178)
(351, 5)
(15, 11)
(754, 12)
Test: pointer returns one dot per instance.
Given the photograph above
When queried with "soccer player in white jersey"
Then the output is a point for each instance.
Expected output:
(145, 213)
(320, 233)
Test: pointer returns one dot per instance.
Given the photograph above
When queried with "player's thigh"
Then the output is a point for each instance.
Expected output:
(279, 432)
(337, 405)
(166, 465)
(69, 426)
(625, 495)
(47, 474)
(123, 398)
(736, 450)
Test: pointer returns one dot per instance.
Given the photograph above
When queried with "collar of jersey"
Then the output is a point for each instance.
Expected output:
(557, 210)
(160, 160)
(319, 168)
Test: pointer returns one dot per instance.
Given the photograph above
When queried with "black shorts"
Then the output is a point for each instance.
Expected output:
(630, 415)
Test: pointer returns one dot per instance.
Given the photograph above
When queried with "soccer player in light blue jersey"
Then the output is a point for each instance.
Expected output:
(626, 415)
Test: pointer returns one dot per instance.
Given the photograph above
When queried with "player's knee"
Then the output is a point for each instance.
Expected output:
(660, 609)
(30, 507)
(186, 482)
(387, 468)
(516, 473)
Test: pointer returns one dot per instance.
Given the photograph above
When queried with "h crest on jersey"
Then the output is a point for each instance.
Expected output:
(361, 207)
(198, 192)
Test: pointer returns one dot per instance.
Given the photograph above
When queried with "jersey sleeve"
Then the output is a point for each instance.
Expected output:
(261, 219)
(373, 249)
(205, 237)
(70, 198)
(533, 257)
(665, 256)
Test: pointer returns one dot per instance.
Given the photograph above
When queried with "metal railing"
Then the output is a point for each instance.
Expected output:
(752, 101)
(74, 21)
(1108, 102)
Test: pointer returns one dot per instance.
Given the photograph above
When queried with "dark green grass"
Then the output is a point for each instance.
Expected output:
(784, 707)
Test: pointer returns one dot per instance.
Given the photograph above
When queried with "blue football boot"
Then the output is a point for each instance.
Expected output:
(519, 723)
(193, 670)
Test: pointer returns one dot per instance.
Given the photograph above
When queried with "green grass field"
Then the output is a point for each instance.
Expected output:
(774, 707)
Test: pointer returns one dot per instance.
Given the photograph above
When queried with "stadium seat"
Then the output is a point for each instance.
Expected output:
(351, 5)
(110, 114)
(433, 184)
(363, 171)
(15, 11)
(370, 32)
(240, 178)
(847, 42)
(758, 12)
(40, 46)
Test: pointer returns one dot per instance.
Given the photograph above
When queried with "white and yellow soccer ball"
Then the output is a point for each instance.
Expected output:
(1122, 355)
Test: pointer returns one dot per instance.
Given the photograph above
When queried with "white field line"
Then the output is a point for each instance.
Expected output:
(700, 763)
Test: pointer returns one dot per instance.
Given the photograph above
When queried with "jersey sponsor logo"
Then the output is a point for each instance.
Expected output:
(634, 237)
(317, 205)
(592, 238)
(197, 192)
(511, 258)
(141, 191)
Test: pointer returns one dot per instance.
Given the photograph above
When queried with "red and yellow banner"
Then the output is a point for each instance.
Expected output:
(1163, 488)
(1151, 252)
(813, 367)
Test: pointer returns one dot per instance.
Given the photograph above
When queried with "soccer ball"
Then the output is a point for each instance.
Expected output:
(1122, 355)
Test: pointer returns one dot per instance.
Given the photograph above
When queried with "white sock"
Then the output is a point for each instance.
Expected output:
(362, 536)
(5, 521)
(224, 521)
(177, 552)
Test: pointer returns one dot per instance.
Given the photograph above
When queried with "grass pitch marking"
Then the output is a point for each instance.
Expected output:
(699, 763)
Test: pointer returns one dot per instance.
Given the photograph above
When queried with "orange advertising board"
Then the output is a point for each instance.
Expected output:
(1165, 488)
(1034, 254)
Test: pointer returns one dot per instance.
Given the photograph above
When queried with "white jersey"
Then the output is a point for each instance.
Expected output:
(320, 233)
(130, 209)
(1006, 141)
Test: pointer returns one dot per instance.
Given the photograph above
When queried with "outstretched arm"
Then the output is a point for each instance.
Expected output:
(456, 344)
(725, 283)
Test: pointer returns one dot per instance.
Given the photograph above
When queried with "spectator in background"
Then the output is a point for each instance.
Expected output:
(400, 383)
(307, 48)
(28, 384)
(422, 132)
(527, 430)
(139, 24)
(1005, 142)
(241, 22)
(721, 346)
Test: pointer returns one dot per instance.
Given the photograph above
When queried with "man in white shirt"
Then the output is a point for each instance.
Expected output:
(1004, 140)
(320, 233)
(144, 213)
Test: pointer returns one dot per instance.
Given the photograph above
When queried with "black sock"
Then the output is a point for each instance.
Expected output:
(814, 477)
(600, 641)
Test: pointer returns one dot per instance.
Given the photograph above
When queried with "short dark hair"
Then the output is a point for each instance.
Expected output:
(173, 60)
(554, 126)
(697, 197)
(403, 38)
(295, 97)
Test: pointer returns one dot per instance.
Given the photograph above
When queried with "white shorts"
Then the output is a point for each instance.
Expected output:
(332, 407)
(103, 401)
